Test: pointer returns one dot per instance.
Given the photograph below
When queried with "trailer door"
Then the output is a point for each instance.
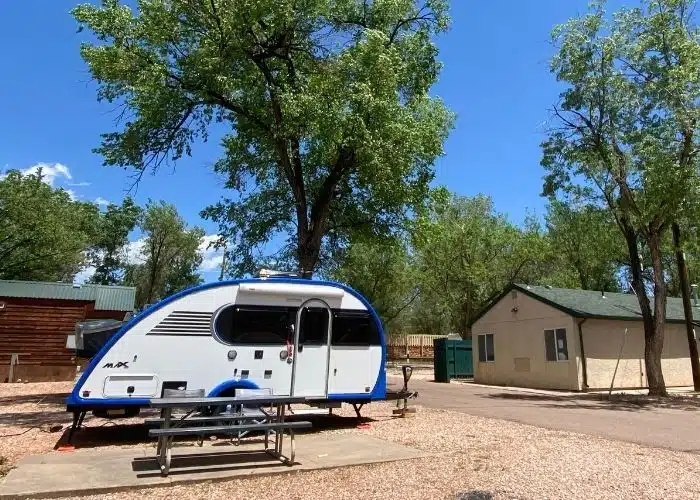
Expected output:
(311, 350)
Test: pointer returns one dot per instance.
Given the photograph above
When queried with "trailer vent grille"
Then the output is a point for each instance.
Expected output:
(184, 323)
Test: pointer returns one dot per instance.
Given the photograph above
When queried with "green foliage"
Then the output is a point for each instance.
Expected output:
(107, 251)
(588, 246)
(466, 253)
(383, 271)
(463, 253)
(43, 233)
(170, 255)
(332, 130)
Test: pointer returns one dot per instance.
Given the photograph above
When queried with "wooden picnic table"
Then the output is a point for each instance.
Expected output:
(189, 424)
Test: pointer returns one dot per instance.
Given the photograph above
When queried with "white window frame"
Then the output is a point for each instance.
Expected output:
(486, 351)
(556, 349)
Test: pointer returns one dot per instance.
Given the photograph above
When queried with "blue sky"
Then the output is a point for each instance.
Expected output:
(495, 78)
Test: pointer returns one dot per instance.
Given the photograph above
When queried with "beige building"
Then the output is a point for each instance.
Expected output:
(555, 338)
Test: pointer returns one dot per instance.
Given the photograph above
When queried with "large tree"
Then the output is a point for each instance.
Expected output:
(466, 252)
(169, 257)
(329, 125)
(107, 254)
(626, 134)
(43, 233)
(587, 245)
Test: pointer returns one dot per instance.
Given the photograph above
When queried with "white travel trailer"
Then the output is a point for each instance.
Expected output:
(297, 337)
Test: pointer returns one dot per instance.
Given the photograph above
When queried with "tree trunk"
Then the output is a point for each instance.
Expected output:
(652, 345)
(307, 255)
(687, 308)
(654, 339)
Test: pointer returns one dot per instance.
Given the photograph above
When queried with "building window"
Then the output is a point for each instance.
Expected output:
(555, 344)
(486, 353)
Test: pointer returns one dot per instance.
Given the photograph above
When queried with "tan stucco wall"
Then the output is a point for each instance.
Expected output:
(602, 340)
(518, 337)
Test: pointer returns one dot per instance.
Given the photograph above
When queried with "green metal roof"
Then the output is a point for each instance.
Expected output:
(594, 304)
(107, 298)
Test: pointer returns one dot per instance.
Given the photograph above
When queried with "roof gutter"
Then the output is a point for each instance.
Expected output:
(584, 367)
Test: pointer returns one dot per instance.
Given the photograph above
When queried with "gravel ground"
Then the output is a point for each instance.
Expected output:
(486, 457)
(23, 410)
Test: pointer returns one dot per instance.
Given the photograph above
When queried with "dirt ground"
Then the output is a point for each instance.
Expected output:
(476, 457)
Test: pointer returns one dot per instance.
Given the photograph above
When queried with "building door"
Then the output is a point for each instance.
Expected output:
(311, 349)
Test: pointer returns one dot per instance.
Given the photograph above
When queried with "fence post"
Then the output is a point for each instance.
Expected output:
(406, 340)
(14, 359)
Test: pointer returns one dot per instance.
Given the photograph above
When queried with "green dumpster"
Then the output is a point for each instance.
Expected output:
(452, 359)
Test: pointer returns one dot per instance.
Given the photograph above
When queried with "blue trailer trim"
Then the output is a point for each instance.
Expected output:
(74, 399)
(116, 402)
(232, 384)
(351, 397)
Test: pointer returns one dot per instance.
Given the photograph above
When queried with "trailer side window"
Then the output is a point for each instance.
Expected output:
(254, 325)
(354, 328)
(314, 326)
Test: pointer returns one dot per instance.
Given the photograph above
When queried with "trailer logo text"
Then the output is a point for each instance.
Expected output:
(120, 364)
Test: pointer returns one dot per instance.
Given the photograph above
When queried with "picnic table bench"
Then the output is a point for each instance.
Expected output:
(235, 422)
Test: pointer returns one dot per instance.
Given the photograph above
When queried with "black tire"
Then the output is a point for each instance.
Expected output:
(215, 409)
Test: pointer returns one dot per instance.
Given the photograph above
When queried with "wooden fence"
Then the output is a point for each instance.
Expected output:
(411, 346)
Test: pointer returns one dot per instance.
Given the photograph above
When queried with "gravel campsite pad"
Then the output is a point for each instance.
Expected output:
(475, 458)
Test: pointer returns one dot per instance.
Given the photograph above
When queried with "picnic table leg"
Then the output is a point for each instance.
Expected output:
(281, 431)
(278, 417)
(164, 444)
(291, 444)
(168, 455)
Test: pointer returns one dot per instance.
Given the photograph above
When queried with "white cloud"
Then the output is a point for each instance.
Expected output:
(101, 201)
(49, 171)
(212, 258)
(79, 184)
(134, 251)
(84, 275)
(71, 193)
(212, 263)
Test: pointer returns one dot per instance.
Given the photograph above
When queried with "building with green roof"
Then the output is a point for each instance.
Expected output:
(557, 338)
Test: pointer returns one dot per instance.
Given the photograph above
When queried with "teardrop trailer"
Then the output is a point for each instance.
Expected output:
(294, 337)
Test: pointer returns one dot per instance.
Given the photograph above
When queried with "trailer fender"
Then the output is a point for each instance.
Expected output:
(230, 385)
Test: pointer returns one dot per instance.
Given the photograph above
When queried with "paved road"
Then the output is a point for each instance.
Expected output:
(671, 425)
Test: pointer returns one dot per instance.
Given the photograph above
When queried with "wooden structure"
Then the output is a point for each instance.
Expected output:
(37, 318)
(411, 346)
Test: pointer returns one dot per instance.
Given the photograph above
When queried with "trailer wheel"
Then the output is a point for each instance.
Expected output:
(212, 410)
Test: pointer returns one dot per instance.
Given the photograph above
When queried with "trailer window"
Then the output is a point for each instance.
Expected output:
(254, 325)
(354, 328)
(314, 326)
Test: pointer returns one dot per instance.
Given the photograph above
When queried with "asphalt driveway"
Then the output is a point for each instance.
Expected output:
(673, 423)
